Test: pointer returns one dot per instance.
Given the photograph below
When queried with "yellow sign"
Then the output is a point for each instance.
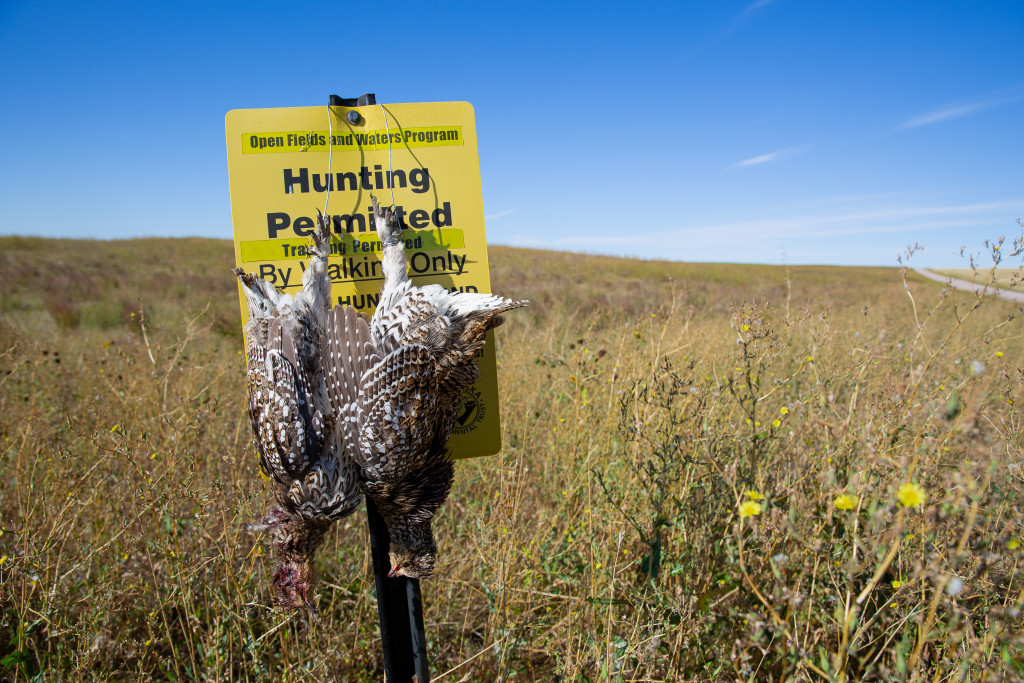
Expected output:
(284, 164)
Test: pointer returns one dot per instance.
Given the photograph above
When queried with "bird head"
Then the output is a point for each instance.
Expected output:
(413, 551)
(295, 583)
(295, 541)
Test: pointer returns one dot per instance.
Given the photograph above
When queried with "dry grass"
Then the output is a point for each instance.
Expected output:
(643, 402)
(1005, 278)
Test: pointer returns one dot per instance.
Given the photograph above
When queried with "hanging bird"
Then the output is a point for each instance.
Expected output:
(303, 427)
(425, 340)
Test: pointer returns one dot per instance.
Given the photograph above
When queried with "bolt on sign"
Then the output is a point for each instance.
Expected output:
(284, 164)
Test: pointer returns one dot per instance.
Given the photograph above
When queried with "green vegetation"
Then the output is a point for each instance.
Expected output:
(710, 472)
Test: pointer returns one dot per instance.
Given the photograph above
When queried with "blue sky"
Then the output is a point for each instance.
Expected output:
(773, 131)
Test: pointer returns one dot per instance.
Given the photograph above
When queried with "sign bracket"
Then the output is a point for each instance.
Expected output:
(361, 101)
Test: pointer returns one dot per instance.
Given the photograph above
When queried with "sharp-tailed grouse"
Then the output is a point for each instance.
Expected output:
(426, 340)
(298, 421)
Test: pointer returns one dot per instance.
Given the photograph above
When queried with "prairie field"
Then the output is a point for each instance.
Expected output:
(709, 473)
(1004, 278)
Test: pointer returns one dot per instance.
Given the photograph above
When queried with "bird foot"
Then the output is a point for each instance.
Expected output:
(322, 235)
(388, 229)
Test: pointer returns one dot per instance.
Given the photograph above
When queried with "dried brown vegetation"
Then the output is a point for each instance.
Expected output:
(645, 404)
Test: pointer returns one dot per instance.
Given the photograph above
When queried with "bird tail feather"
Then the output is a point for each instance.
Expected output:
(348, 354)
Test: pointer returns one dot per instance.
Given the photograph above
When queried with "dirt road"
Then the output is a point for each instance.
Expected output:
(970, 286)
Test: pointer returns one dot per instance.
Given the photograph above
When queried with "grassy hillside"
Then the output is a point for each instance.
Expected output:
(1006, 278)
(710, 472)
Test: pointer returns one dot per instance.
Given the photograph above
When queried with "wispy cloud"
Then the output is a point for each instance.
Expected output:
(499, 214)
(946, 113)
(744, 16)
(956, 110)
(853, 221)
(756, 5)
(766, 158)
(847, 234)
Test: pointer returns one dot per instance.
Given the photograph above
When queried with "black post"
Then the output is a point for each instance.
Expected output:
(399, 609)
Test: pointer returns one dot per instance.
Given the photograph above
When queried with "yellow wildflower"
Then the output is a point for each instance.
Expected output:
(776, 423)
(1013, 544)
(784, 410)
(754, 495)
(999, 354)
(897, 583)
(910, 495)
(745, 328)
(750, 509)
(845, 501)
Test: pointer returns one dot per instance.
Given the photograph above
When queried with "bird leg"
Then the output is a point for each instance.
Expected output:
(322, 235)
(316, 285)
(389, 231)
(386, 223)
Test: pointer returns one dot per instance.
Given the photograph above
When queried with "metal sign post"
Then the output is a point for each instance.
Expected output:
(399, 610)
(399, 606)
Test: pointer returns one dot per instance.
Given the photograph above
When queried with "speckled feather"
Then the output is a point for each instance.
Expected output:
(398, 412)
(298, 424)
